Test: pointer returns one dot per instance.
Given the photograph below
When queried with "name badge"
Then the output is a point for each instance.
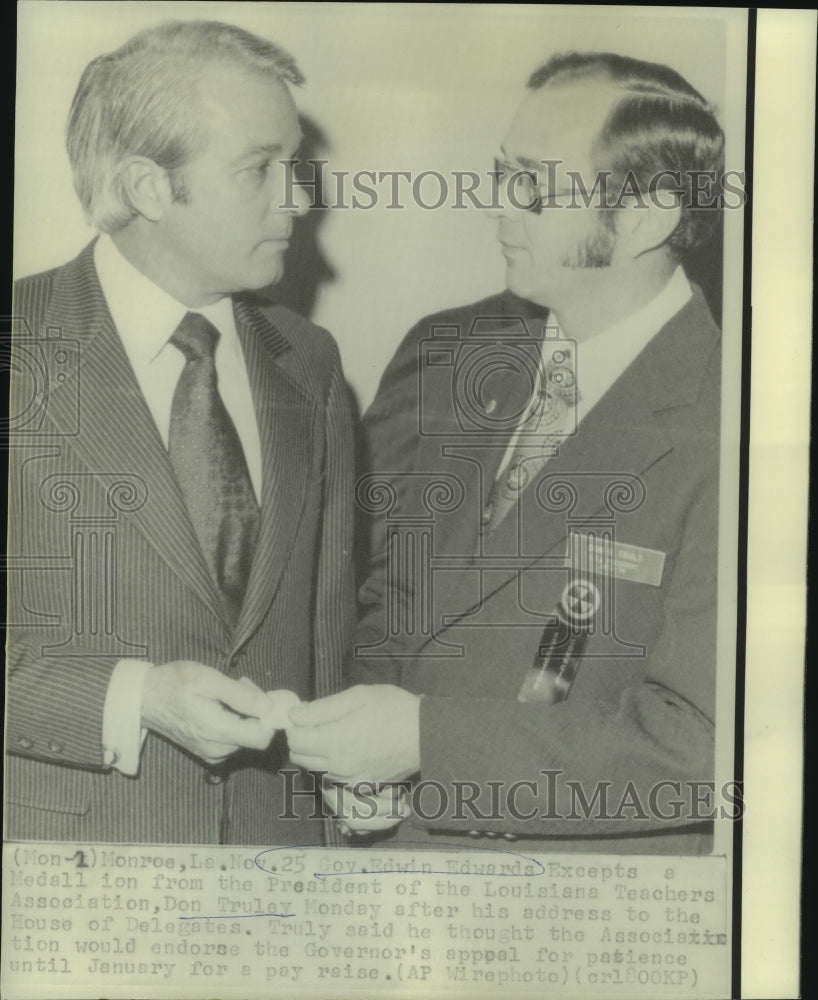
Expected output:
(599, 556)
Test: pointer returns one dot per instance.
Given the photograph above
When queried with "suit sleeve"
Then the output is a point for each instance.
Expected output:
(55, 707)
(54, 703)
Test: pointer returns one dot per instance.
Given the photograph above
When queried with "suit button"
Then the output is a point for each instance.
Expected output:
(54, 746)
(212, 778)
(25, 743)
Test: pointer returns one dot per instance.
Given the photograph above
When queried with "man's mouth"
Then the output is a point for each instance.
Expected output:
(280, 242)
(280, 237)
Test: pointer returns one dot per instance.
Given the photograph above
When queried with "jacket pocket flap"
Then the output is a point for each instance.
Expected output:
(39, 785)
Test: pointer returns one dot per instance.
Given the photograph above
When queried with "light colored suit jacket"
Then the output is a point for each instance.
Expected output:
(104, 565)
(643, 465)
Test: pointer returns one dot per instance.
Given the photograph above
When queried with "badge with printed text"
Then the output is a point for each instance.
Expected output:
(598, 555)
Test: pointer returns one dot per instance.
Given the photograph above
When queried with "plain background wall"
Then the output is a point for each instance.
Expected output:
(389, 87)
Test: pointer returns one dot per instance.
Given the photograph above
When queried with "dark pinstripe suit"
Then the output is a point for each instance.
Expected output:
(105, 565)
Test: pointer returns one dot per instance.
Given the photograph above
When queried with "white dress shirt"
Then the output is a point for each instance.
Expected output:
(600, 361)
(146, 317)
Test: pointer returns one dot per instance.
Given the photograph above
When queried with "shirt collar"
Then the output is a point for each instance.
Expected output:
(144, 315)
(603, 358)
(642, 325)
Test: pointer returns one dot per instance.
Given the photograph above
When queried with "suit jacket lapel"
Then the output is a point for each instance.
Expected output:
(117, 433)
(619, 436)
(474, 460)
(285, 415)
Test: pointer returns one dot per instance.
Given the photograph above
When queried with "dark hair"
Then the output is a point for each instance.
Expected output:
(659, 124)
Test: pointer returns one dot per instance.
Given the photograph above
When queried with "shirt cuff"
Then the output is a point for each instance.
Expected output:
(122, 732)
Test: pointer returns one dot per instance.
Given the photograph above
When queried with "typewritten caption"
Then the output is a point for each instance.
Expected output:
(189, 921)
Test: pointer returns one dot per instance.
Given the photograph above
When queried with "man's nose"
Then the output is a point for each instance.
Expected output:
(502, 211)
(290, 196)
(300, 202)
(503, 206)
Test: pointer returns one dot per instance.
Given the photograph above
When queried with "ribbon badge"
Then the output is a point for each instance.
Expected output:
(579, 602)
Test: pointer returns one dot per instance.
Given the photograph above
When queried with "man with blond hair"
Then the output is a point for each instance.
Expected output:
(181, 497)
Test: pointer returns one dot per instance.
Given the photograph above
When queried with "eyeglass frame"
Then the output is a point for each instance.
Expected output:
(503, 170)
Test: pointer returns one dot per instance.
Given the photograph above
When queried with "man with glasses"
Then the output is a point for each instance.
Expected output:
(537, 651)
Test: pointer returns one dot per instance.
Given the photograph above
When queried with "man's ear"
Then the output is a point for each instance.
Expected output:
(145, 186)
(645, 226)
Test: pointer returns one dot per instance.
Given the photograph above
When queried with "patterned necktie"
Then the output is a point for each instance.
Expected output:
(210, 466)
(543, 428)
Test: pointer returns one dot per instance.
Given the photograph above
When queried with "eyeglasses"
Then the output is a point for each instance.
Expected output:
(524, 189)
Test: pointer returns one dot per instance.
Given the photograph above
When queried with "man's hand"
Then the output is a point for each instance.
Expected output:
(370, 732)
(205, 712)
